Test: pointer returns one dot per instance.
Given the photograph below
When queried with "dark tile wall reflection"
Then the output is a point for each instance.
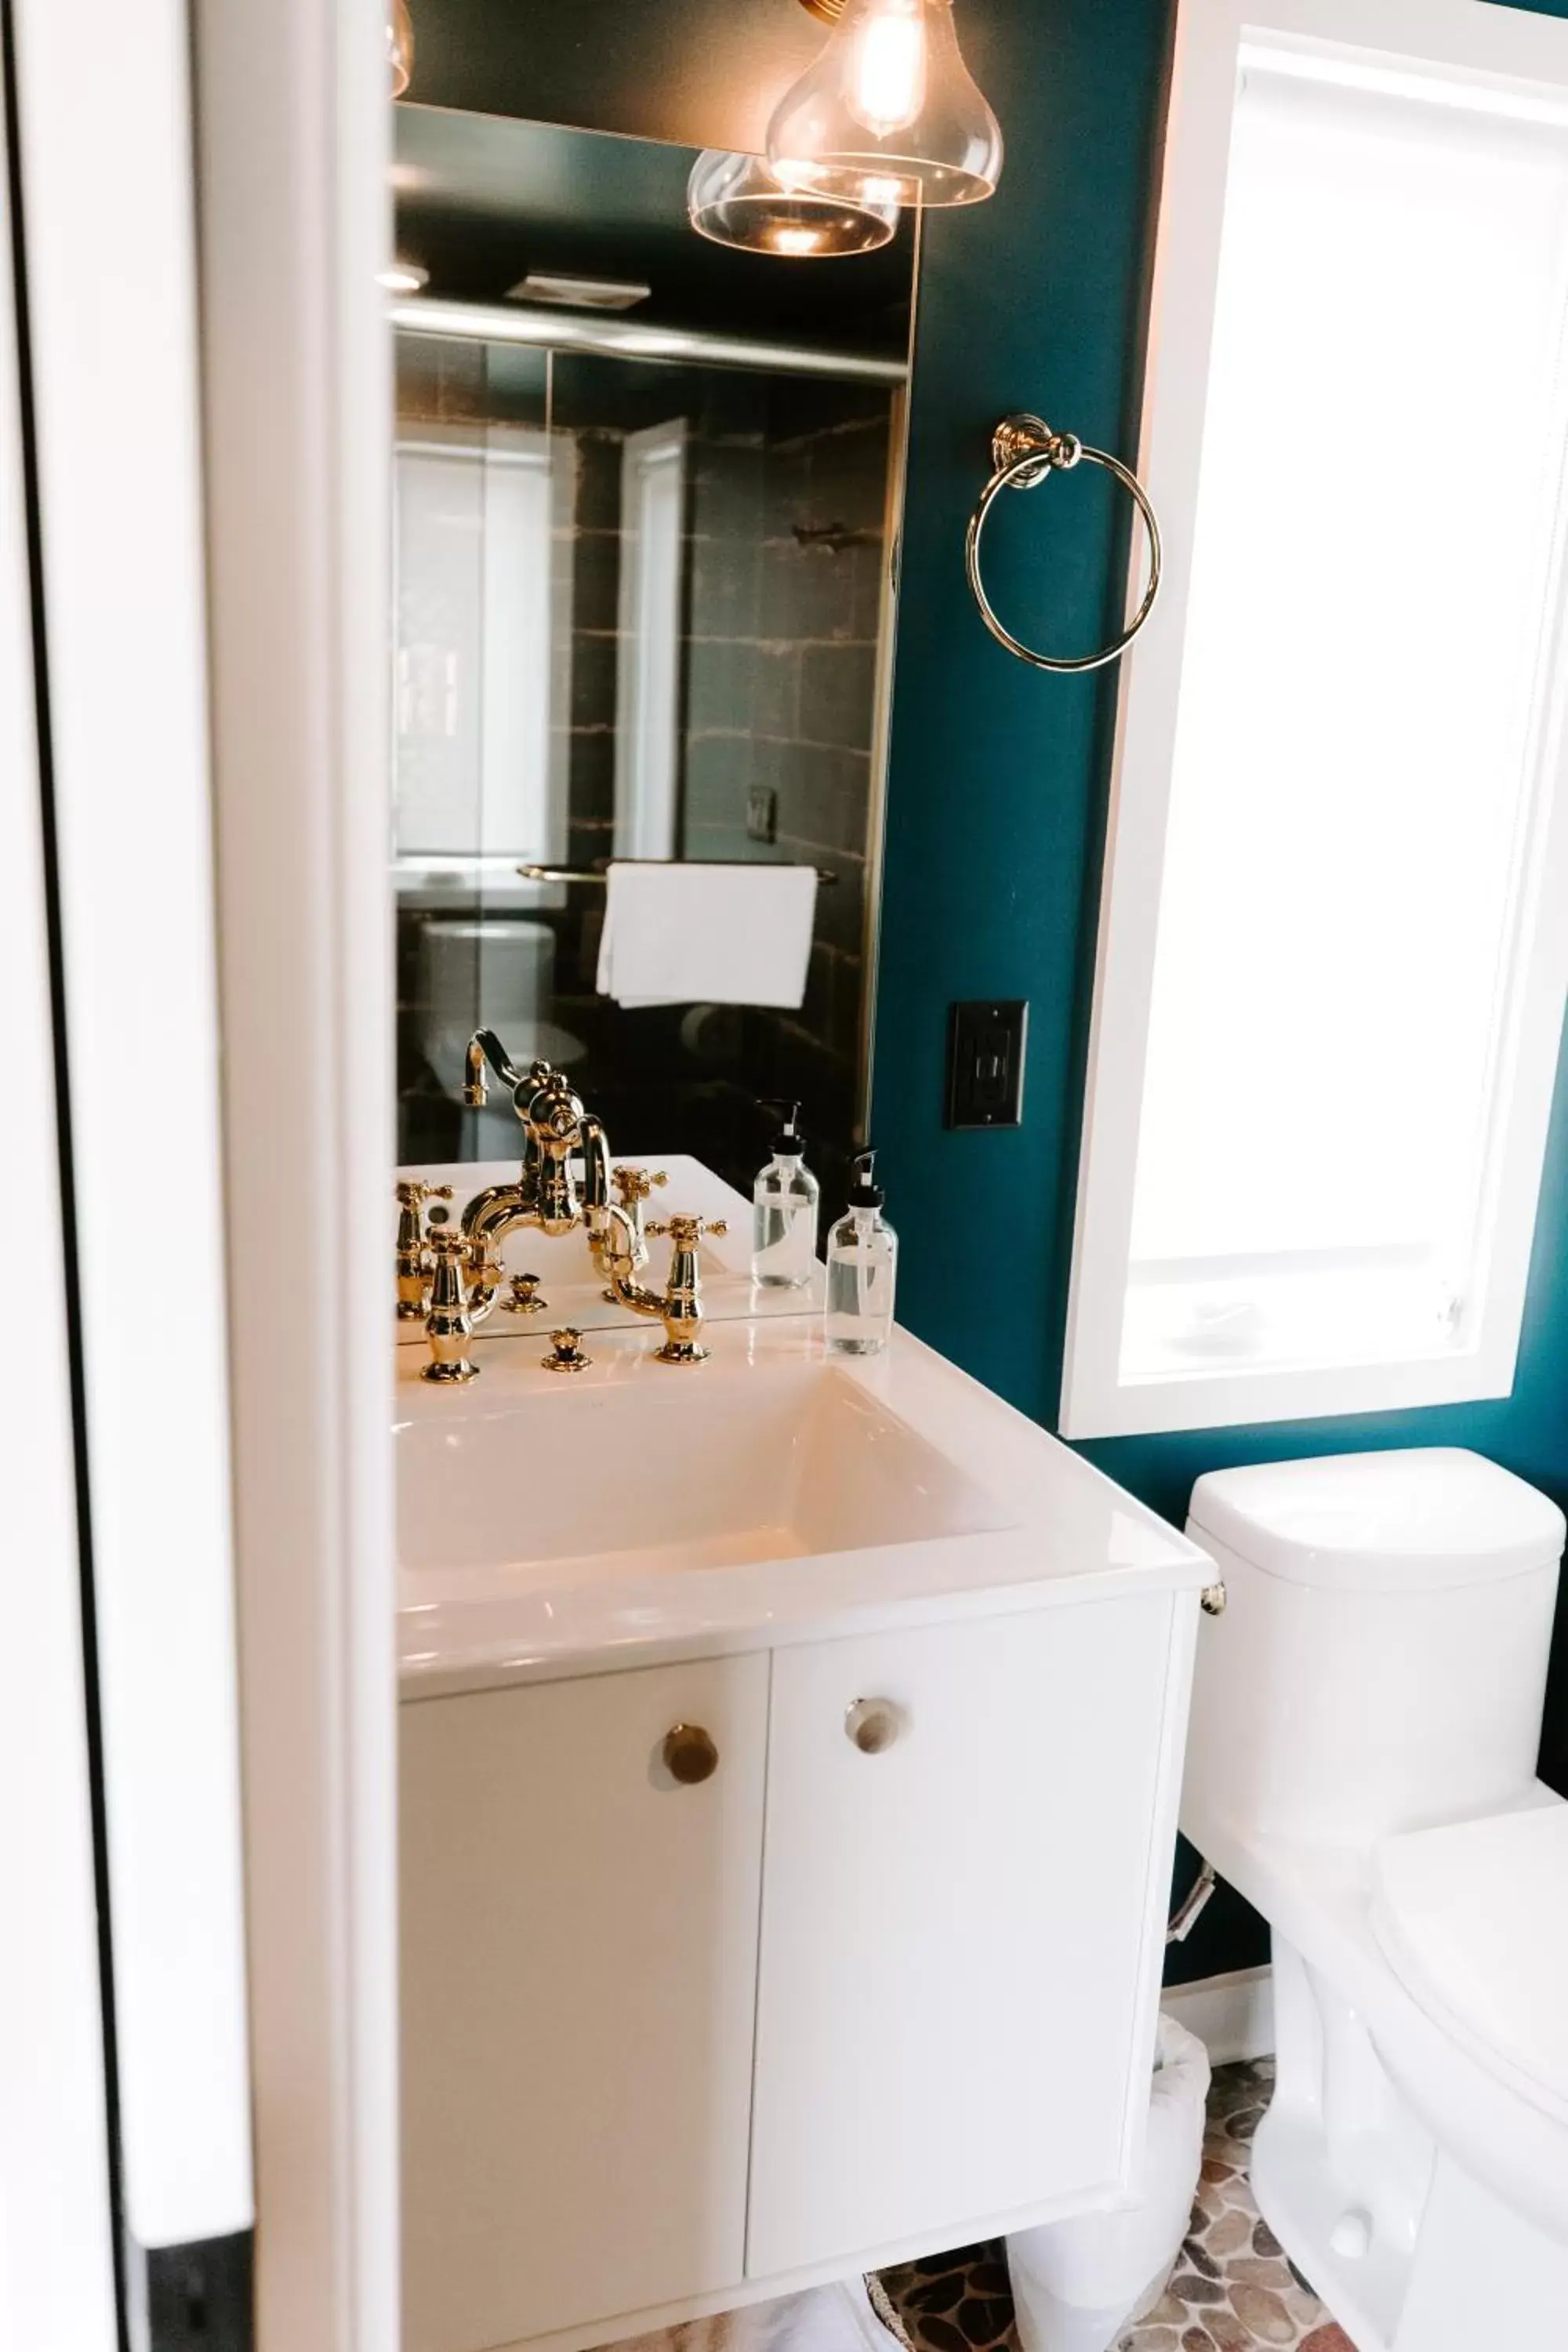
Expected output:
(787, 485)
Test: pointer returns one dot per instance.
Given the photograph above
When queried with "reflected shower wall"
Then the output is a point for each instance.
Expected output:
(641, 611)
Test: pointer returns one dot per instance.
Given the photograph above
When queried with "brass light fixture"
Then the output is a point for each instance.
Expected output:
(735, 200)
(400, 46)
(890, 112)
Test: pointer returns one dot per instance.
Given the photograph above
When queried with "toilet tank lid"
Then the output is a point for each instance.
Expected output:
(1422, 1516)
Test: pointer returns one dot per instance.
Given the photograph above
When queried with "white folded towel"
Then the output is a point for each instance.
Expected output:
(707, 934)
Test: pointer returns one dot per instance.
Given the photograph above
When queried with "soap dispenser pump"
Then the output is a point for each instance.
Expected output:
(784, 1208)
(862, 1270)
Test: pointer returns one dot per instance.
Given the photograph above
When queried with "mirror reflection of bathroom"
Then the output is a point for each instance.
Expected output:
(646, 510)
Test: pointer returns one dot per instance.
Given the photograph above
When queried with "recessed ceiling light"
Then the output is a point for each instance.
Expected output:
(402, 277)
(579, 293)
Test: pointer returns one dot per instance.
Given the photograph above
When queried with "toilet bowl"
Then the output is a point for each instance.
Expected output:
(1366, 1717)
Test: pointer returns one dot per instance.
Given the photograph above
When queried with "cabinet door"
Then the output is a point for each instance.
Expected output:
(579, 1936)
(956, 1980)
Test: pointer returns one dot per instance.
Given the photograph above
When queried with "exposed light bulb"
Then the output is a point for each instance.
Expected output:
(399, 46)
(885, 87)
(888, 114)
(735, 200)
(402, 277)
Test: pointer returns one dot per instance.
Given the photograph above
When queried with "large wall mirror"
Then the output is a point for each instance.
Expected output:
(646, 499)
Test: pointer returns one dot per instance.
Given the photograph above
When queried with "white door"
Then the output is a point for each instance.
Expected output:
(579, 1946)
(105, 498)
(57, 2227)
(129, 2020)
(956, 1988)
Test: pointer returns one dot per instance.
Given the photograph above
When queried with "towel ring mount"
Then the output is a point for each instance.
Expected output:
(1025, 452)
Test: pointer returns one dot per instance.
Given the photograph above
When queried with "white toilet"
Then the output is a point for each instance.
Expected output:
(1366, 1717)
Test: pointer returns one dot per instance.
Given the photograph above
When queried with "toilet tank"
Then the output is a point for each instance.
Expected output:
(1381, 1661)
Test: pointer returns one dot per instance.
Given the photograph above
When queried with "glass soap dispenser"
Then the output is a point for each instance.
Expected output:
(862, 1268)
(784, 1208)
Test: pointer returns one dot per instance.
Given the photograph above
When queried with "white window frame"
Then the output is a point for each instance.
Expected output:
(1512, 48)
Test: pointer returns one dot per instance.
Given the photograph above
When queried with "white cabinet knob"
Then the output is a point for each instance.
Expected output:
(874, 1724)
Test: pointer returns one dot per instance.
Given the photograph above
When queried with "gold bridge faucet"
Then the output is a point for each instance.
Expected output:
(454, 1275)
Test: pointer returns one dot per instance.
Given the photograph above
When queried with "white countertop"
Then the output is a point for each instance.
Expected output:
(1059, 1532)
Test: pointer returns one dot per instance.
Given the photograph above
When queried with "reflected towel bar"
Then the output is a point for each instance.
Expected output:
(599, 874)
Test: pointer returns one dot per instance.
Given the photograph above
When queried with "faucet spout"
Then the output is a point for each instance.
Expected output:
(484, 1047)
(546, 1195)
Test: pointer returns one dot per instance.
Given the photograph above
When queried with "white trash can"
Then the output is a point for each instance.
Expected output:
(1079, 2285)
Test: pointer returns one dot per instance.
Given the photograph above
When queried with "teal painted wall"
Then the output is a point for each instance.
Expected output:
(998, 780)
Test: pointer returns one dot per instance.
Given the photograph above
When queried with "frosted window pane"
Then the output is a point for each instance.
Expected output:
(1357, 753)
(475, 581)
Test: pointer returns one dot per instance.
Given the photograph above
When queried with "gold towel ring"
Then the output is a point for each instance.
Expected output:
(1024, 451)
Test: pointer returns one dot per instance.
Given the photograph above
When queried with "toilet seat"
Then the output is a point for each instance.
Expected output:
(1473, 1919)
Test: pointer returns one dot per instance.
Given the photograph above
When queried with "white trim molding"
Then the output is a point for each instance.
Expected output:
(293, 132)
(1232, 2015)
(1382, 1321)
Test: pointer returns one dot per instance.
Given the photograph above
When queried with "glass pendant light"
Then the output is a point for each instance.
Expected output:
(889, 113)
(735, 200)
(399, 46)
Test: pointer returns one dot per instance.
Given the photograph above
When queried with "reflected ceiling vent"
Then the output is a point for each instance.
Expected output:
(579, 293)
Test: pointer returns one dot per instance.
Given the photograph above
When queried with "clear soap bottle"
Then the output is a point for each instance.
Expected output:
(862, 1269)
(785, 1210)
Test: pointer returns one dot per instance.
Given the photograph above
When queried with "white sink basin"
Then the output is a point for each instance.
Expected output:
(551, 1523)
(674, 1471)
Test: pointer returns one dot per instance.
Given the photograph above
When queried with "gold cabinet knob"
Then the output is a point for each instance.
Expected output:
(1214, 1598)
(873, 1724)
(690, 1754)
(565, 1355)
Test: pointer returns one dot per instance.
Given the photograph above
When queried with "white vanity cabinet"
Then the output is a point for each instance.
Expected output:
(953, 1925)
(579, 1954)
(667, 2048)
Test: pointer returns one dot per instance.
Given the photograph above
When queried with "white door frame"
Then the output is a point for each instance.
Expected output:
(293, 131)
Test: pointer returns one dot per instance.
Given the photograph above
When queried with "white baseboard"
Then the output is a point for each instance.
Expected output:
(1233, 2015)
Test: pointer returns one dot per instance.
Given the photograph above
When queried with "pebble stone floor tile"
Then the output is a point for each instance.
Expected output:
(1232, 2290)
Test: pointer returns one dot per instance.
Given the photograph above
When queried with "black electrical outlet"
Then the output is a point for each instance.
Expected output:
(985, 1064)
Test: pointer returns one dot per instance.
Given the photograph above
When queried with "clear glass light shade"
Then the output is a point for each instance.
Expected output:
(735, 200)
(889, 113)
(399, 45)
